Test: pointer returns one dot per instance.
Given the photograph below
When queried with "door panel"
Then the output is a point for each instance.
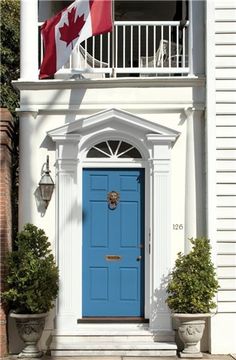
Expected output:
(113, 259)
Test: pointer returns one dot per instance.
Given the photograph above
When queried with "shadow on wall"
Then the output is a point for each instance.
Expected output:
(158, 300)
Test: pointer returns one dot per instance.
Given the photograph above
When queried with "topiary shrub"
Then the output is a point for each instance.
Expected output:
(32, 275)
(193, 283)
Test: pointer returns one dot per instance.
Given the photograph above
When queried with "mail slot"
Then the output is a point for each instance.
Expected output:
(113, 257)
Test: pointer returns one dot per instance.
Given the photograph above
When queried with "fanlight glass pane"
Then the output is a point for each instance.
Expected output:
(114, 149)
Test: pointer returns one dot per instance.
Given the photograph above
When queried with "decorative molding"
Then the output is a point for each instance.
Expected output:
(28, 110)
(178, 81)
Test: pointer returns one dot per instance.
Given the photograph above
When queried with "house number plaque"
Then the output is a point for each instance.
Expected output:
(113, 257)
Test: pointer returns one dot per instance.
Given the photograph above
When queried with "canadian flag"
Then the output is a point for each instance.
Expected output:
(76, 23)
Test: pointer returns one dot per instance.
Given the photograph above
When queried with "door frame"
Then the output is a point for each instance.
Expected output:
(127, 165)
(143, 217)
(73, 141)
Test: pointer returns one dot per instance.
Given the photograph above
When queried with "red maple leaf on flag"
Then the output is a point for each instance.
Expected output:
(71, 31)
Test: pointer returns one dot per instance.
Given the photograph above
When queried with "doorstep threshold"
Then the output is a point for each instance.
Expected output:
(113, 320)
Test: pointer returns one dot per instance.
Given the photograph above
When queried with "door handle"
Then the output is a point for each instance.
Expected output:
(139, 258)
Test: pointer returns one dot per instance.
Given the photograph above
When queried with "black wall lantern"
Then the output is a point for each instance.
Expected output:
(46, 184)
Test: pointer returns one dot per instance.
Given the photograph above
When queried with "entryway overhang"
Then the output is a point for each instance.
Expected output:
(154, 142)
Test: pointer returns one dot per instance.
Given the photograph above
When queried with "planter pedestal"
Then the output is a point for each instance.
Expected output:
(30, 328)
(190, 330)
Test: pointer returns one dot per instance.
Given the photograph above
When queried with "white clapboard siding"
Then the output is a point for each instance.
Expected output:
(226, 272)
(222, 108)
(225, 177)
(225, 50)
(225, 38)
(223, 200)
(227, 283)
(226, 224)
(225, 73)
(226, 154)
(225, 4)
(227, 247)
(226, 189)
(227, 295)
(226, 307)
(226, 14)
(226, 131)
(226, 165)
(224, 260)
(224, 212)
(226, 97)
(228, 143)
(229, 235)
(223, 165)
(225, 61)
(225, 27)
(226, 120)
(222, 84)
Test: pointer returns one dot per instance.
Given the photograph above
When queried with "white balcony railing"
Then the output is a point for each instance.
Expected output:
(134, 48)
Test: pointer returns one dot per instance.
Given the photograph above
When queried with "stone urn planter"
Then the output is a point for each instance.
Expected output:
(30, 328)
(32, 284)
(190, 331)
(191, 290)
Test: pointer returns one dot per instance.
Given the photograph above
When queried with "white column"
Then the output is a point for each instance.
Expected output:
(29, 40)
(27, 173)
(195, 193)
(160, 319)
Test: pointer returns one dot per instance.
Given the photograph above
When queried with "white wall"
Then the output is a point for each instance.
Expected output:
(223, 116)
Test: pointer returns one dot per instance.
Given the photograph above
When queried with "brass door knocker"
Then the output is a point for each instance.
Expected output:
(113, 198)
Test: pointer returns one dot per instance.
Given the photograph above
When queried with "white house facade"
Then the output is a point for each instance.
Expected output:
(152, 123)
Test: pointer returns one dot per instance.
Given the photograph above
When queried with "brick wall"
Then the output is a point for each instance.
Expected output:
(6, 129)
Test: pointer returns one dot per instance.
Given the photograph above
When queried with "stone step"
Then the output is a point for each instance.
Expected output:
(128, 353)
(128, 345)
(115, 348)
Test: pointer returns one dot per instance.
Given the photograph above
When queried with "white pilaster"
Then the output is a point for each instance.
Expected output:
(161, 233)
(68, 236)
(29, 40)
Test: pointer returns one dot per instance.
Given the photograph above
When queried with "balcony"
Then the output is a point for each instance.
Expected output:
(133, 49)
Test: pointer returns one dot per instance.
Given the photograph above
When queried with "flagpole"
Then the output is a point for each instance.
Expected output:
(113, 38)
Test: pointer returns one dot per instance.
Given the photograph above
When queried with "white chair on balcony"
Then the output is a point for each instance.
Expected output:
(166, 56)
(84, 62)
(87, 62)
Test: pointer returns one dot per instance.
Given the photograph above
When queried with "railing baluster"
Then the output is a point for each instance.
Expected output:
(177, 44)
(154, 46)
(162, 38)
(139, 45)
(108, 49)
(183, 65)
(169, 50)
(146, 45)
(93, 49)
(86, 53)
(131, 46)
(116, 46)
(101, 39)
(124, 45)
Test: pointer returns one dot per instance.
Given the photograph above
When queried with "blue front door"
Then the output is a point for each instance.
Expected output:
(113, 243)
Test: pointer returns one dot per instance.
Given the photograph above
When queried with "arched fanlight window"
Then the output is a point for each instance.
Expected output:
(114, 149)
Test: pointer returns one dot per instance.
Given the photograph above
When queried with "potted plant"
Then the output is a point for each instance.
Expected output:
(31, 286)
(191, 289)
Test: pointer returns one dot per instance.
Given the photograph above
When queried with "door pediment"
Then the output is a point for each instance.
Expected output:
(113, 119)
